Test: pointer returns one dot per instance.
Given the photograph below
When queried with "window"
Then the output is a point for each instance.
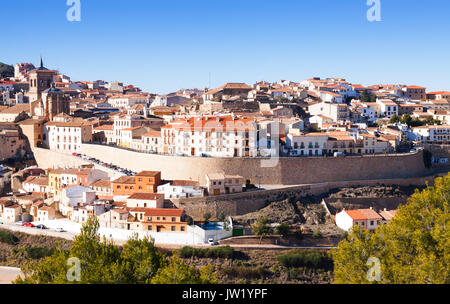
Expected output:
(174, 219)
(182, 228)
(150, 228)
(372, 223)
(173, 228)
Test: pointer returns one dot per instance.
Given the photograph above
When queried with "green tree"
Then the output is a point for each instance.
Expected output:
(140, 261)
(261, 228)
(406, 119)
(394, 119)
(283, 229)
(413, 249)
(221, 216)
(207, 217)
(178, 272)
(101, 262)
(189, 220)
(366, 96)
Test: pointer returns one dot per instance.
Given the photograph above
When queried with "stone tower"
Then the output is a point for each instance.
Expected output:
(40, 80)
(54, 102)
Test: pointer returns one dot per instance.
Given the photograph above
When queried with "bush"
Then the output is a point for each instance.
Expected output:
(315, 260)
(38, 252)
(224, 252)
(245, 272)
(298, 234)
(317, 234)
(8, 238)
(283, 229)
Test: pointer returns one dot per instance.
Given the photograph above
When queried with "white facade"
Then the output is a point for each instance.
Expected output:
(433, 134)
(184, 138)
(388, 108)
(337, 112)
(364, 218)
(74, 197)
(312, 144)
(67, 137)
(180, 191)
(126, 101)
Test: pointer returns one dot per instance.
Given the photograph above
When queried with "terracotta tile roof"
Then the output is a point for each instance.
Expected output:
(17, 109)
(73, 124)
(388, 214)
(148, 173)
(164, 212)
(146, 196)
(182, 183)
(104, 128)
(363, 214)
(124, 180)
(37, 180)
(227, 123)
(152, 133)
(103, 183)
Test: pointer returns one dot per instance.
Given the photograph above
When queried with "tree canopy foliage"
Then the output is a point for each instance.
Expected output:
(102, 262)
(414, 248)
(366, 96)
(414, 122)
(262, 227)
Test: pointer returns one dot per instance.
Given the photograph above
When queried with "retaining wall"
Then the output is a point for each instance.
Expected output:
(282, 171)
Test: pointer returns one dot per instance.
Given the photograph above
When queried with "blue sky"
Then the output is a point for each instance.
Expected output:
(162, 46)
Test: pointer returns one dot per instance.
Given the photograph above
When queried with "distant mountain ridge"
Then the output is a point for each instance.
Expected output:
(6, 70)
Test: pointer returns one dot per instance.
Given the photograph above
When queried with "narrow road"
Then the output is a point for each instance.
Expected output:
(8, 274)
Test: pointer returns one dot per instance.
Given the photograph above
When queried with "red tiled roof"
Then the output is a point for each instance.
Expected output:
(164, 212)
(146, 196)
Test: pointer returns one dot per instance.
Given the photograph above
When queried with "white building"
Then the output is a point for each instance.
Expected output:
(310, 144)
(36, 184)
(181, 189)
(364, 218)
(388, 108)
(151, 142)
(145, 200)
(75, 196)
(432, 134)
(67, 136)
(331, 97)
(337, 112)
(224, 136)
(160, 101)
(128, 101)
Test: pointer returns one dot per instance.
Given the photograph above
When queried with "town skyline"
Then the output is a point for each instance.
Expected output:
(178, 45)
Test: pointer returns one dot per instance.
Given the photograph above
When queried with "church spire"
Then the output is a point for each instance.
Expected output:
(42, 63)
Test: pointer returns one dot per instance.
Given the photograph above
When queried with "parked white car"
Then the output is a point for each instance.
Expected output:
(60, 230)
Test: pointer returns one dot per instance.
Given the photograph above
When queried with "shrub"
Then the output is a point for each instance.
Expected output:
(8, 238)
(283, 229)
(243, 272)
(224, 252)
(38, 252)
(299, 234)
(317, 234)
(315, 260)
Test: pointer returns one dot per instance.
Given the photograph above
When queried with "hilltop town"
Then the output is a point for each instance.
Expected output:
(186, 166)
